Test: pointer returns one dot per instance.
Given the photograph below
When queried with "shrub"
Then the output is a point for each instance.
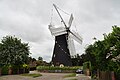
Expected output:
(70, 75)
(86, 65)
(32, 68)
(117, 74)
(19, 69)
(5, 70)
(41, 68)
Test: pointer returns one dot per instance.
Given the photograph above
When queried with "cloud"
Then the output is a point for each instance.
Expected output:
(29, 19)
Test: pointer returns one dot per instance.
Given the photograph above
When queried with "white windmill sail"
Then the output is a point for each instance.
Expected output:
(71, 45)
(62, 35)
(70, 20)
(64, 30)
(76, 37)
(57, 31)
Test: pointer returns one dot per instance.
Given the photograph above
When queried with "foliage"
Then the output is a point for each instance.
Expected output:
(103, 54)
(13, 51)
(32, 75)
(41, 63)
(40, 58)
(77, 60)
(14, 54)
(57, 68)
(86, 65)
(30, 59)
(32, 68)
(117, 74)
(5, 70)
(25, 66)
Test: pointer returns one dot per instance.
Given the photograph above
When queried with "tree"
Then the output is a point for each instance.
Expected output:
(31, 59)
(13, 51)
(40, 58)
(104, 54)
(104, 51)
(77, 60)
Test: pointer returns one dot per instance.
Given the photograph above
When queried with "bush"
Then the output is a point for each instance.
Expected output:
(5, 70)
(86, 65)
(117, 74)
(20, 69)
(32, 68)
(41, 68)
(87, 68)
(15, 68)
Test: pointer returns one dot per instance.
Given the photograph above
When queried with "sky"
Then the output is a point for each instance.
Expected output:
(29, 20)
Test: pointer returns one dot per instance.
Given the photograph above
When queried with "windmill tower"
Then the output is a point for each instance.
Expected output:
(64, 45)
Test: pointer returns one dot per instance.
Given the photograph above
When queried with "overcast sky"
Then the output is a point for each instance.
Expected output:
(29, 20)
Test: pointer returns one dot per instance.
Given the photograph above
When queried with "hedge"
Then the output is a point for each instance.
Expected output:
(22, 69)
(57, 68)
(5, 70)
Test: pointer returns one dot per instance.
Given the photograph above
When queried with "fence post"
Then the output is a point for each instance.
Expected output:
(87, 72)
(10, 71)
(113, 75)
(0, 71)
(98, 74)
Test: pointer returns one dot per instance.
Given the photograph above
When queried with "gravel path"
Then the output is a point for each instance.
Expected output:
(46, 76)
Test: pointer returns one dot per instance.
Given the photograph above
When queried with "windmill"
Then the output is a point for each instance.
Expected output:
(64, 45)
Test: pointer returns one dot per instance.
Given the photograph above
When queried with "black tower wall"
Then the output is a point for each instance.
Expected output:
(61, 54)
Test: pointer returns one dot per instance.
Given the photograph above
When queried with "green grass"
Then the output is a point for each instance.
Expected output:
(71, 75)
(32, 75)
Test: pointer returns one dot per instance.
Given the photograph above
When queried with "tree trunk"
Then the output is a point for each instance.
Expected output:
(0, 71)
(24, 70)
(18, 71)
(113, 75)
(87, 72)
(98, 74)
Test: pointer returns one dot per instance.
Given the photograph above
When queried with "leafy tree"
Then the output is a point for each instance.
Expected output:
(77, 60)
(13, 51)
(31, 59)
(41, 63)
(104, 54)
(89, 56)
(40, 58)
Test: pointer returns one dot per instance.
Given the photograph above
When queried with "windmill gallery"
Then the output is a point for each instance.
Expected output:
(64, 45)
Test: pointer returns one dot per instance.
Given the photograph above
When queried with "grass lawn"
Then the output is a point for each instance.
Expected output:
(32, 75)
(71, 75)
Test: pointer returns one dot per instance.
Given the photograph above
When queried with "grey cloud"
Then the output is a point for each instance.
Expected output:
(29, 19)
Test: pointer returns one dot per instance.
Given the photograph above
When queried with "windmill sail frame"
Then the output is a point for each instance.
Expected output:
(64, 45)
